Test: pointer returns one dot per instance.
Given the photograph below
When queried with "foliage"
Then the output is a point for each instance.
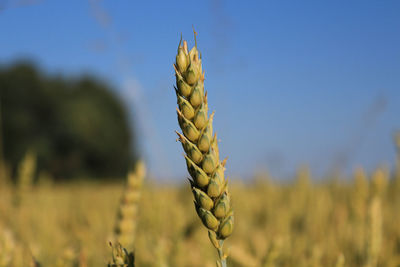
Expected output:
(76, 126)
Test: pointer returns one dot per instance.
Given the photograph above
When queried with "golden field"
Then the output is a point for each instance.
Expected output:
(352, 221)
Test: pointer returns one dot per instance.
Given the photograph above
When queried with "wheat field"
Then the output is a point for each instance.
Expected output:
(335, 222)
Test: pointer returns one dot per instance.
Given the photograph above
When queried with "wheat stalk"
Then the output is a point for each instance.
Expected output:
(209, 186)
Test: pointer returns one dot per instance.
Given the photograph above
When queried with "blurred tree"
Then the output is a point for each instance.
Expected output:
(76, 127)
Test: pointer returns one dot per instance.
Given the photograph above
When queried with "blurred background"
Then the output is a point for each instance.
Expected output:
(307, 101)
(88, 85)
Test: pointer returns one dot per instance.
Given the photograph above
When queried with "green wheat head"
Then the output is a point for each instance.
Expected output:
(209, 186)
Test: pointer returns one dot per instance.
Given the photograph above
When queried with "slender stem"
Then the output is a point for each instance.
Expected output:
(222, 259)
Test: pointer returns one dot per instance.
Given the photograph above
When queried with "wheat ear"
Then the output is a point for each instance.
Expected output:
(121, 257)
(128, 210)
(209, 186)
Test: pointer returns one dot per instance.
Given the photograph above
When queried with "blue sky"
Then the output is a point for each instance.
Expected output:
(292, 82)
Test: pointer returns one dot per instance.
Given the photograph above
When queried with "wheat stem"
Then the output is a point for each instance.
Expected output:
(222, 258)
